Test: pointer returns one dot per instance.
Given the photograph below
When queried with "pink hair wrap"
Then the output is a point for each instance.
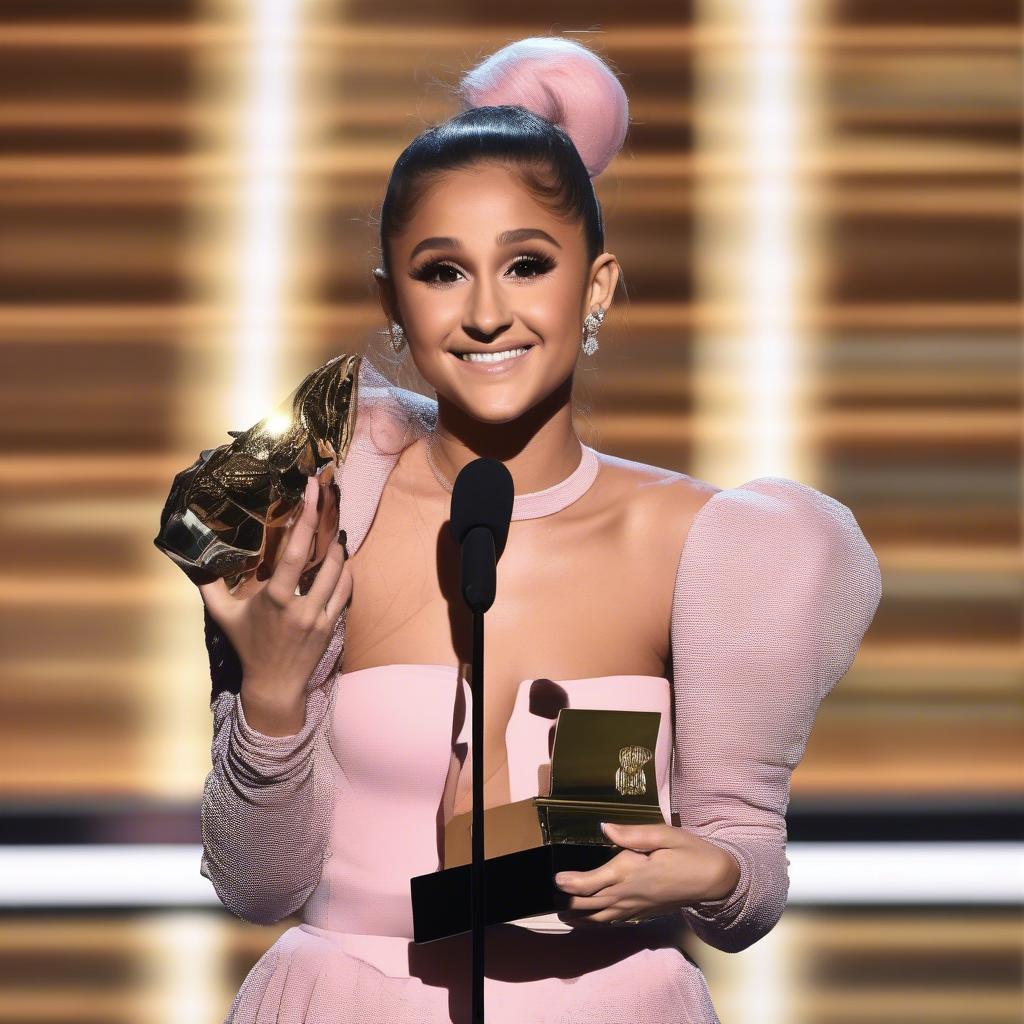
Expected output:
(561, 81)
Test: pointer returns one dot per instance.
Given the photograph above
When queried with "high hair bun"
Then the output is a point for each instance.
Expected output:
(563, 82)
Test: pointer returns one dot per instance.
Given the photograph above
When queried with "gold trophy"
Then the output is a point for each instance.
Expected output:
(602, 769)
(227, 515)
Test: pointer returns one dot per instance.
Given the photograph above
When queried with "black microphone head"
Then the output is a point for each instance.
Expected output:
(482, 495)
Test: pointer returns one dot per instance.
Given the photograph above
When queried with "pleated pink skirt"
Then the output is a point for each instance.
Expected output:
(312, 975)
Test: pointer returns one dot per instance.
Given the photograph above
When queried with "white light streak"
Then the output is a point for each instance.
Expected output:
(265, 149)
(771, 268)
(167, 875)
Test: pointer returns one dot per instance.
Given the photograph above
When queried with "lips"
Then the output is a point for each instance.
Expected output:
(494, 366)
(490, 351)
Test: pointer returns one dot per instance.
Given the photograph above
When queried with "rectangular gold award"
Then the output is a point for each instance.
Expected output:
(602, 769)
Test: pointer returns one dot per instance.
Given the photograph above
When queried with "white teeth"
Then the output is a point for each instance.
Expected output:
(491, 357)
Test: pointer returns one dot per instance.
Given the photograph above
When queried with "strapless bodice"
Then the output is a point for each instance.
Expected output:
(392, 730)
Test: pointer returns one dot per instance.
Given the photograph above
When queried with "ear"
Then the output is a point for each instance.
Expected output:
(604, 276)
(386, 294)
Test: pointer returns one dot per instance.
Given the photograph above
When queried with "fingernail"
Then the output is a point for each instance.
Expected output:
(560, 878)
(604, 825)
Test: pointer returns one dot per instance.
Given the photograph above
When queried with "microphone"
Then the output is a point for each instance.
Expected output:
(481, 510)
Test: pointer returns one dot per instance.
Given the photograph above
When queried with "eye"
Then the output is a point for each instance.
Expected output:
(536, 263)
(427, 272)
(526, 266)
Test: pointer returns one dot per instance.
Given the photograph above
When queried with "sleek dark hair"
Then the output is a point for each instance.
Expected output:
(541, 153)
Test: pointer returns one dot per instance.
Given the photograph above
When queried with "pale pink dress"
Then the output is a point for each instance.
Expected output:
(775, 587)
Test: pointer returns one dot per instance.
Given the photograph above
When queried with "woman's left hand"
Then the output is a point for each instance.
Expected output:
(660, 869)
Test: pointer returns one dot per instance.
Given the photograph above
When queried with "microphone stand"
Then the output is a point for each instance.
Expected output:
(479, 901)
(481, 509)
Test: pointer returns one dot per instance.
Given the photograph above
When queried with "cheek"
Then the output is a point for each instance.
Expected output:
(434, 313)
(550, 311)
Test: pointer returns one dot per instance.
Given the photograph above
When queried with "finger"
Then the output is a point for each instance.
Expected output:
(599, 901)
(285, 578)
(341, 595)
(327, 576)
(642, 838)
(626, 909)
(615, 915)
(586, 883)
(215, 595)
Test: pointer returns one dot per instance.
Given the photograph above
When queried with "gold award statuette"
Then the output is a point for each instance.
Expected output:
(228, 514)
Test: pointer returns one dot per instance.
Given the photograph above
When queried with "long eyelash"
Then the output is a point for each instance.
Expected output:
(425, 271)
(546, 262)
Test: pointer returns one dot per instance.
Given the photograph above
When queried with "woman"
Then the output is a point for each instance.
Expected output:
(732, 611)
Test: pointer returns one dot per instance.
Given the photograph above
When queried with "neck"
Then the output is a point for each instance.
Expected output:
(539, 449)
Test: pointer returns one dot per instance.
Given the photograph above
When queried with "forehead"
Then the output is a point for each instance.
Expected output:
(475, 204)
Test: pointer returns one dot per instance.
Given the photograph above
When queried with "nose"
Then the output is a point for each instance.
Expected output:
(487, 315)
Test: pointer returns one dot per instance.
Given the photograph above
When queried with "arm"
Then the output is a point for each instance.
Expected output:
(268, 800)
(775, 588)
(267, 803)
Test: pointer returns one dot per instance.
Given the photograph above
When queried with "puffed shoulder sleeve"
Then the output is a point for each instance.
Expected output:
(775, 588)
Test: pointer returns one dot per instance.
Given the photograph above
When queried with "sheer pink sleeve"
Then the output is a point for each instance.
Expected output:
(267, 801)
(775, 588)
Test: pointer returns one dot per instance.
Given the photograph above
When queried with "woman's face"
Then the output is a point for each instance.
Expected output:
(483, 267)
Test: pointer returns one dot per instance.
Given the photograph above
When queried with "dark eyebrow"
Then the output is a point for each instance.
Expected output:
(505, 238)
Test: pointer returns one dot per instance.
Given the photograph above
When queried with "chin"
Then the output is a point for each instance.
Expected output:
(491, 412)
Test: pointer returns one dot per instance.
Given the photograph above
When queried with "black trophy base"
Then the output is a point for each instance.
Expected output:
(517, 885)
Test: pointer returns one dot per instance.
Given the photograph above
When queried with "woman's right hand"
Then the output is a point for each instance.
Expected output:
(278, 634)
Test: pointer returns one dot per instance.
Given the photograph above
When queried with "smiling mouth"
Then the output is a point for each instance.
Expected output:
(492, 358)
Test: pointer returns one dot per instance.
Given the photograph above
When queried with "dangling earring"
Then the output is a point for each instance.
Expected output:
(591, 326)
(397, 336)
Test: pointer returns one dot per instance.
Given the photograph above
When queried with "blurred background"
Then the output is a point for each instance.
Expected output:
(818, 212)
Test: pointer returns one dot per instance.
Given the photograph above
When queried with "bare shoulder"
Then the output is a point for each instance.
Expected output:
(661, 503)
(663, 494)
